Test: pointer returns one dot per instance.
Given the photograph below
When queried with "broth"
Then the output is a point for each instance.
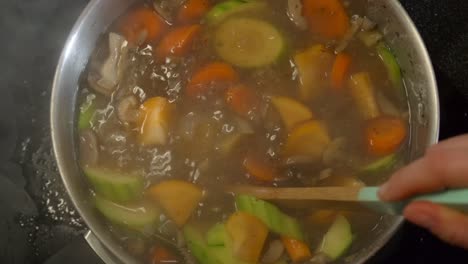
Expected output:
(232, 93)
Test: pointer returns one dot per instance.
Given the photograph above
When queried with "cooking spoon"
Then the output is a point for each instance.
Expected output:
(367, 196)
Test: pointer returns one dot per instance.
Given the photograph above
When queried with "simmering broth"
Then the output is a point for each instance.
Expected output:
(180, 102)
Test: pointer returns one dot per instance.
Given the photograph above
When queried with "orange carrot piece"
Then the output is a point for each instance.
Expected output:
(297, 250)
(177, 42)
(339, 70)
(384, 135)
(259, 169)
(326, 17)
(213, 72)
(162, 255)
(143, 24)
(242, 100)
(193, 10)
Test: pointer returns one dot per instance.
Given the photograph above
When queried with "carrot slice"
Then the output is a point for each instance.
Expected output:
(297, 250)
(259, 169)
(339, 70)
(177, 42)
(162, 255)
(242, 100)
(142, 25)
(326, 17)
(213, 72)
(193, 10)
(384, 135)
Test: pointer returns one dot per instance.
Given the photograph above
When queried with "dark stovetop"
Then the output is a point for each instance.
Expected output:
(39, 225)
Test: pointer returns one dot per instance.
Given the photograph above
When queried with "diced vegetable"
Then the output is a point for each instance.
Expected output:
(248, 42)
(115, 186)
(362, 92)
(193, 10)
(370, 38)
(383, 135)
(198, 247)
(206, 254)
(327, 18)
(227, 8)
(229, 143)
(294, 13)
(208, 74)
(273, 252)
(392, 66)
(87, 110)
(322, 217)
(260, 169)
(311, 65)
(178, 199)
(276, 220)
(162, 255)
(337, 239)
(216, 235)
(247, 235)
(154, 121)
(297, 250)
(242, 100)
(143, 25)
(309, 139)
(178, 42)
(292, 112)
(137, 216)
(340, 70)
(381, 165)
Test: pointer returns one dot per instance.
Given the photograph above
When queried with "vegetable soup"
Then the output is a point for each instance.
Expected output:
(183, 100)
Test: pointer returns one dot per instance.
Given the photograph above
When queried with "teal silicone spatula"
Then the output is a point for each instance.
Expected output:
(367, 196)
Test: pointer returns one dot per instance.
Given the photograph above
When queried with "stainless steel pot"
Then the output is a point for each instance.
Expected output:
(399, 32)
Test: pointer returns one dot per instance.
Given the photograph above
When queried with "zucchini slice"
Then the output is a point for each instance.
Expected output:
(337, 239)
(393, 69)
(136, 216)
(225, 9)
(115, 186)
(276, 220)
(248, 42)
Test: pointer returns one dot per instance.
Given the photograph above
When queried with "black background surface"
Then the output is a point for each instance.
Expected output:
(38, 224)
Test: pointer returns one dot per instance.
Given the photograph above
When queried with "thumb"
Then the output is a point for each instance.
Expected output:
(447, 224)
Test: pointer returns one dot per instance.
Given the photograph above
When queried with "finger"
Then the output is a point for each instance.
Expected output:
(447, 224)
(459, 142)
(441, 168)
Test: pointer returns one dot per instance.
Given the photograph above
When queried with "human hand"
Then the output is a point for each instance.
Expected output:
(444, 165)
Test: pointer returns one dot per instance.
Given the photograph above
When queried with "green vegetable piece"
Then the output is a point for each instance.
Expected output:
(276, 220)
(115, 186)
(384, 164)
(137, 216)
(225, 9)
(370, 38)
(337, 239)
(224, 255)
(216, 236)
(198, 247)
(87, 110)
(392, 66)
(248, 42)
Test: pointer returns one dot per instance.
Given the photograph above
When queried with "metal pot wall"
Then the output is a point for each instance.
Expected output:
(400, 33)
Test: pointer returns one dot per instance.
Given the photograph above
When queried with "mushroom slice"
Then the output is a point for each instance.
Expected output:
(128, 109)
(109, 74)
